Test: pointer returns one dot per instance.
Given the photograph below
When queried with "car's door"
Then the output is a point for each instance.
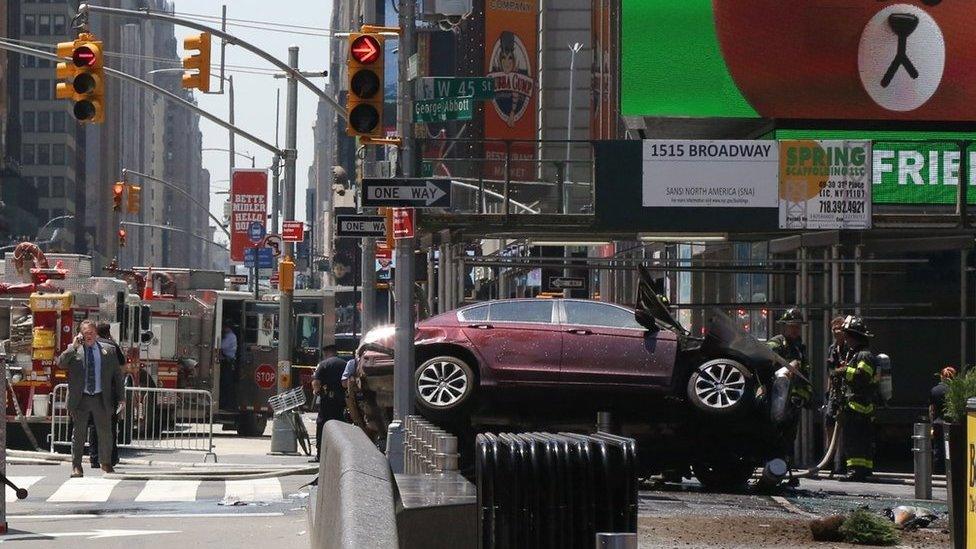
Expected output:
(519, 341)
(603, 344)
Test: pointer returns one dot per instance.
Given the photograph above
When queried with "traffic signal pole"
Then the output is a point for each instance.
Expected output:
(167, 184)
(282, 436)
(404, 360)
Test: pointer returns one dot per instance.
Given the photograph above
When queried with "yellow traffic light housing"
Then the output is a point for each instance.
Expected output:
(84, 79)
(364, 104)
(199, 62)
(117, 190)
(387, 214)
(135, 199)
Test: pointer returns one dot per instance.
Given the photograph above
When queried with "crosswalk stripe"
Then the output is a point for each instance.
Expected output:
(169, 490)
(20, 482)
(90, 490)
(265, 489)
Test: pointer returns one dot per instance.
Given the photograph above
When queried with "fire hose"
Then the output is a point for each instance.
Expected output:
(834, 408)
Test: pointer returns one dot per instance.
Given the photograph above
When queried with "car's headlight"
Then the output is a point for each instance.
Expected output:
(378, 334)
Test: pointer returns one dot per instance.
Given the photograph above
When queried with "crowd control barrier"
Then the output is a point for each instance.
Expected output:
(428, 449)
(152, 419)
(554, 490)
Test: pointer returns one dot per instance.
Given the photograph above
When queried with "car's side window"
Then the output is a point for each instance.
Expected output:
(597, 314)
(474, 314)
(521, 311)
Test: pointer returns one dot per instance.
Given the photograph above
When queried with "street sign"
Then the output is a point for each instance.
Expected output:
(274, 242)
(248, 203)
(292, 231)
(263, 257)
(403, 222)
(407, 193)
(264, 376)
(274, 280)
(444, 109)
(478, 88)
(237, 280)
(256, 231)
(567, 283)
(358, 226)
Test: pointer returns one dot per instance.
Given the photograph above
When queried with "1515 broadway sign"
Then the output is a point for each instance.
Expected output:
(825, 184)
(709, 174)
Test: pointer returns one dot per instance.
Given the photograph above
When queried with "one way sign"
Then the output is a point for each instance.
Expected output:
(407, 193)
(357, 226)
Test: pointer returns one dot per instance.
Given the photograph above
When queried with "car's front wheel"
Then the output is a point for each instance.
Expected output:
(720, 387)
(444, 385)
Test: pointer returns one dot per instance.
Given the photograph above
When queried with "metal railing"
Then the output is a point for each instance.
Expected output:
(152, 419)
(428, 449)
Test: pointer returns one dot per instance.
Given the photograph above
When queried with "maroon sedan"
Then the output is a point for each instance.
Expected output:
(549, 343)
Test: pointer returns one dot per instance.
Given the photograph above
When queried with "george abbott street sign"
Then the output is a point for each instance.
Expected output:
(406, 193)
(358, 226)
(444, 109)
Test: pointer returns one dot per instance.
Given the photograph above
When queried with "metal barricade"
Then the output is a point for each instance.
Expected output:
(427, 448)
(152, 419)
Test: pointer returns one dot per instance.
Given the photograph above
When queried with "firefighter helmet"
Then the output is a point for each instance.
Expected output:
(791, 316)
(854, 324)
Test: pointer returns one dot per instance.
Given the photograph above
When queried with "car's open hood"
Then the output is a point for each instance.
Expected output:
(650, 309)
(725, 337)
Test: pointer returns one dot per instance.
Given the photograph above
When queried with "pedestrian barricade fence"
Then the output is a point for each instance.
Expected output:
(428, 449)
(151, 418)
(554, 490)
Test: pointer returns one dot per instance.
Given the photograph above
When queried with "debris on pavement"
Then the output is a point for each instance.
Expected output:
(827, 528)
(910, 517)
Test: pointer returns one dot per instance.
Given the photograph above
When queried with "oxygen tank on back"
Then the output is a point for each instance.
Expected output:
(883, 378)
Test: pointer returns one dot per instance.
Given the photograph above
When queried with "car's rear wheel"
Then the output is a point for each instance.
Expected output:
(444, 385)
(720, 387)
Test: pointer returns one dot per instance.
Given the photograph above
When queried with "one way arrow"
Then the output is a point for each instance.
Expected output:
(428, 194)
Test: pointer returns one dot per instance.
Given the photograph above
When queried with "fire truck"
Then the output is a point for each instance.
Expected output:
(174, 332)
(40, 309)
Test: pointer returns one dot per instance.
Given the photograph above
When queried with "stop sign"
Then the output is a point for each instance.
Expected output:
(264, 376)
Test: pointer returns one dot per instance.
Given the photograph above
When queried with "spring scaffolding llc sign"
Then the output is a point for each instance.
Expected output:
(825, 184)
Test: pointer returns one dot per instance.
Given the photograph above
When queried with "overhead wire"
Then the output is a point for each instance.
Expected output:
(324, 30)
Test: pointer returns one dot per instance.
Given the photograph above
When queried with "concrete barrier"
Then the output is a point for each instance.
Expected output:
(354, 503)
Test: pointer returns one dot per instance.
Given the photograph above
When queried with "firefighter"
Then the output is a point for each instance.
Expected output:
(857, 375)
(789, 345)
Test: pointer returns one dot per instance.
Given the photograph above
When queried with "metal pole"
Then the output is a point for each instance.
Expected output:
(369, 283)
(922, 450)
(430, 280)
(963, 305)
(275, 185)
(230, 119)
(858, 250)
(285, 440)
(404, 363)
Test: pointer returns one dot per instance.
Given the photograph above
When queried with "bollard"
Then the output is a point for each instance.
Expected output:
(616, 541)
(922, 452)
(604, 422)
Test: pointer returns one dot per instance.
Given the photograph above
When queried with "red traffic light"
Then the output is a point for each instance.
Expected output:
(84, 56)
(365, 49)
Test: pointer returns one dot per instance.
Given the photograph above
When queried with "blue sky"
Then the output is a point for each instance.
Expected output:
(254, 93)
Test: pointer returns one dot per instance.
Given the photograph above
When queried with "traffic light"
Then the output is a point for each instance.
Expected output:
(84, 81)
(387, 214)
(122, 235)
(364, 105)
(117, 190)
(199, 62)
(135, 199)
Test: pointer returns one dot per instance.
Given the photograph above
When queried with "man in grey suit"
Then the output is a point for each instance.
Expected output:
(94, 390)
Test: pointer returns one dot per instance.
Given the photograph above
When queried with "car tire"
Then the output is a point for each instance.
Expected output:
(725, 475)
(721, 387)
(444, 385)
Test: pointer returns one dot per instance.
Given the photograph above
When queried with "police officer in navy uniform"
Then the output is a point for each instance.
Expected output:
(789, 346)
(857, 373)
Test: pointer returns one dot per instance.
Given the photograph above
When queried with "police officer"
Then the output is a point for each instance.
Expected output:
(789, 345)
(857, 374)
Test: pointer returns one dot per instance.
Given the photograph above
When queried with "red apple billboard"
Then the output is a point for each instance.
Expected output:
(248, 203)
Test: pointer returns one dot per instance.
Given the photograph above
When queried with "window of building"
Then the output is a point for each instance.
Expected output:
(30, 25)
(57, 154)
(58, 121)
(27, 122)
(60, 28)
(43, 154)
(44, 63)
(29, 61)
(28, 89)
(44, 121)
(44, 25)
(28, 154)
(44, 89)
(40, 184)
(57, 187)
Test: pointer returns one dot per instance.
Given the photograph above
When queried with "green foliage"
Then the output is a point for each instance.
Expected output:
(866, 528)
(961, 389)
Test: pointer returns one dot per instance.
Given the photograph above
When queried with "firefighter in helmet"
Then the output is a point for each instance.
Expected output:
(857, 375)
(789, 346)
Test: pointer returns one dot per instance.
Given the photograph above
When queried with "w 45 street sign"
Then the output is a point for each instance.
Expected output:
(478, 88)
